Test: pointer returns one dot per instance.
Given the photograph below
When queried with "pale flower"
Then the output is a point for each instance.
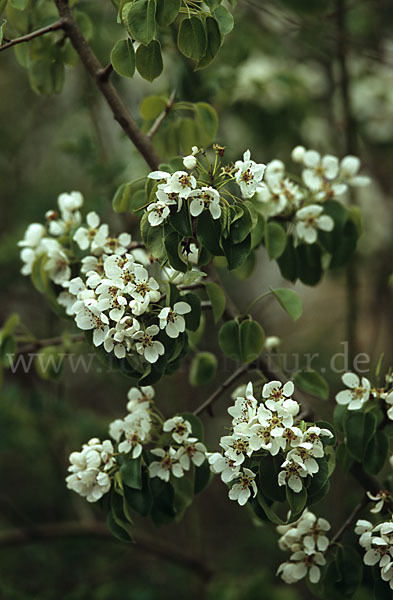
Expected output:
(357, 394)
(172, 320)
(244, 486)
(309, 220)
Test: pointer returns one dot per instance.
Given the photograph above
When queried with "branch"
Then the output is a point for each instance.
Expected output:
(101, 77)
(53, 531)
(223, 387)
(349, 521)
(157, 123)
(30, 36)
(56, 341)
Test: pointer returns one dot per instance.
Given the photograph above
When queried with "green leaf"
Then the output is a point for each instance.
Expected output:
(359, 428)
(46, 76)
(203, 368)
(131, 472)
(209, 233)
(19, 4)
(193, 318)
(149, 60)
(275, 239)
(123, 58)
(269, 468)
(214, 41)
(290, 301)
(192, 39)
(203, 476)
(207, 122)
(241, 227)
(313, 383)
(9, 326)
(180, 221)
(151, 107)
(167, 11)
(350, 569)
(343, 457)
(118, 531)
(129, 197)
(319, 479)
(224, 18)
(236, 254)
(339, 415)
(287, 262)
(297, 501)
(173, 250)
(229, 340)
(268, 510)
(163, 494)
(217, 299)
(376, 453)
(309, 263)
(247, 268)
(141, 21)
(184, 495)
(152, 237)
(252, 338)
(2, 28)
(140, 500)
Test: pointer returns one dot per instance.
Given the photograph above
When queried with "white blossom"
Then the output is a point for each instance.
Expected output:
(207, 198)
(172, 320)
(167, 465)
(180, 428)
(248, 175)
(309, 219)
(244, 486)
(357, 394)
(145, 344)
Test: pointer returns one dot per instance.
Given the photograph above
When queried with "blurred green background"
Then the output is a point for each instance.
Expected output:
(275, 84)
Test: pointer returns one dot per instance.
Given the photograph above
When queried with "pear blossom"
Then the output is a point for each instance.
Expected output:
(180, 428)
(357, 394)
(318, 169)
(190, 161)
(94, 236)
(158, 212)
(309, 219)
(223, 465)
(307, 540)
(145, 344)
(192, 451)
(205, 198)
(172, 320)
(139, 396)
(292, 475)
(389, 402)
(89, 469)
(379, 498)
(236, 448)
(349, 168)
(244, 486)
(167, 465)
(249, 175)
(33, 235)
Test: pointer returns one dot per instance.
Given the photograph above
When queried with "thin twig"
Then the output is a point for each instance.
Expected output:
(111, 95)
(349, 521)
(30, 36)
(220, 390)
(55, 341)
(54, 531)
(158, 122)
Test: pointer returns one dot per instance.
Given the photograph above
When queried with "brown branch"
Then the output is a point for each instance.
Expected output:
(158, 122)
(221, 389)
(30, 36)
(349, 521)
(54, 531)
(56, 341)
(111, 95)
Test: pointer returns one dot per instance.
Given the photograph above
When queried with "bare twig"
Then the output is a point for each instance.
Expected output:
(158, 122)
(349, 521)
(34, 34)
(54, 531)
(221, 389)
(96, 70)
(55, 341)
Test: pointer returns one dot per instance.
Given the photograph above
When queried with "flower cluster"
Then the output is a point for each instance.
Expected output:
(171, 441)
(91, 469)
(307, 540)
(267, 427)
(174, 189)
(113, 294)
(360, 392)
(181, 450)
(377, 542)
